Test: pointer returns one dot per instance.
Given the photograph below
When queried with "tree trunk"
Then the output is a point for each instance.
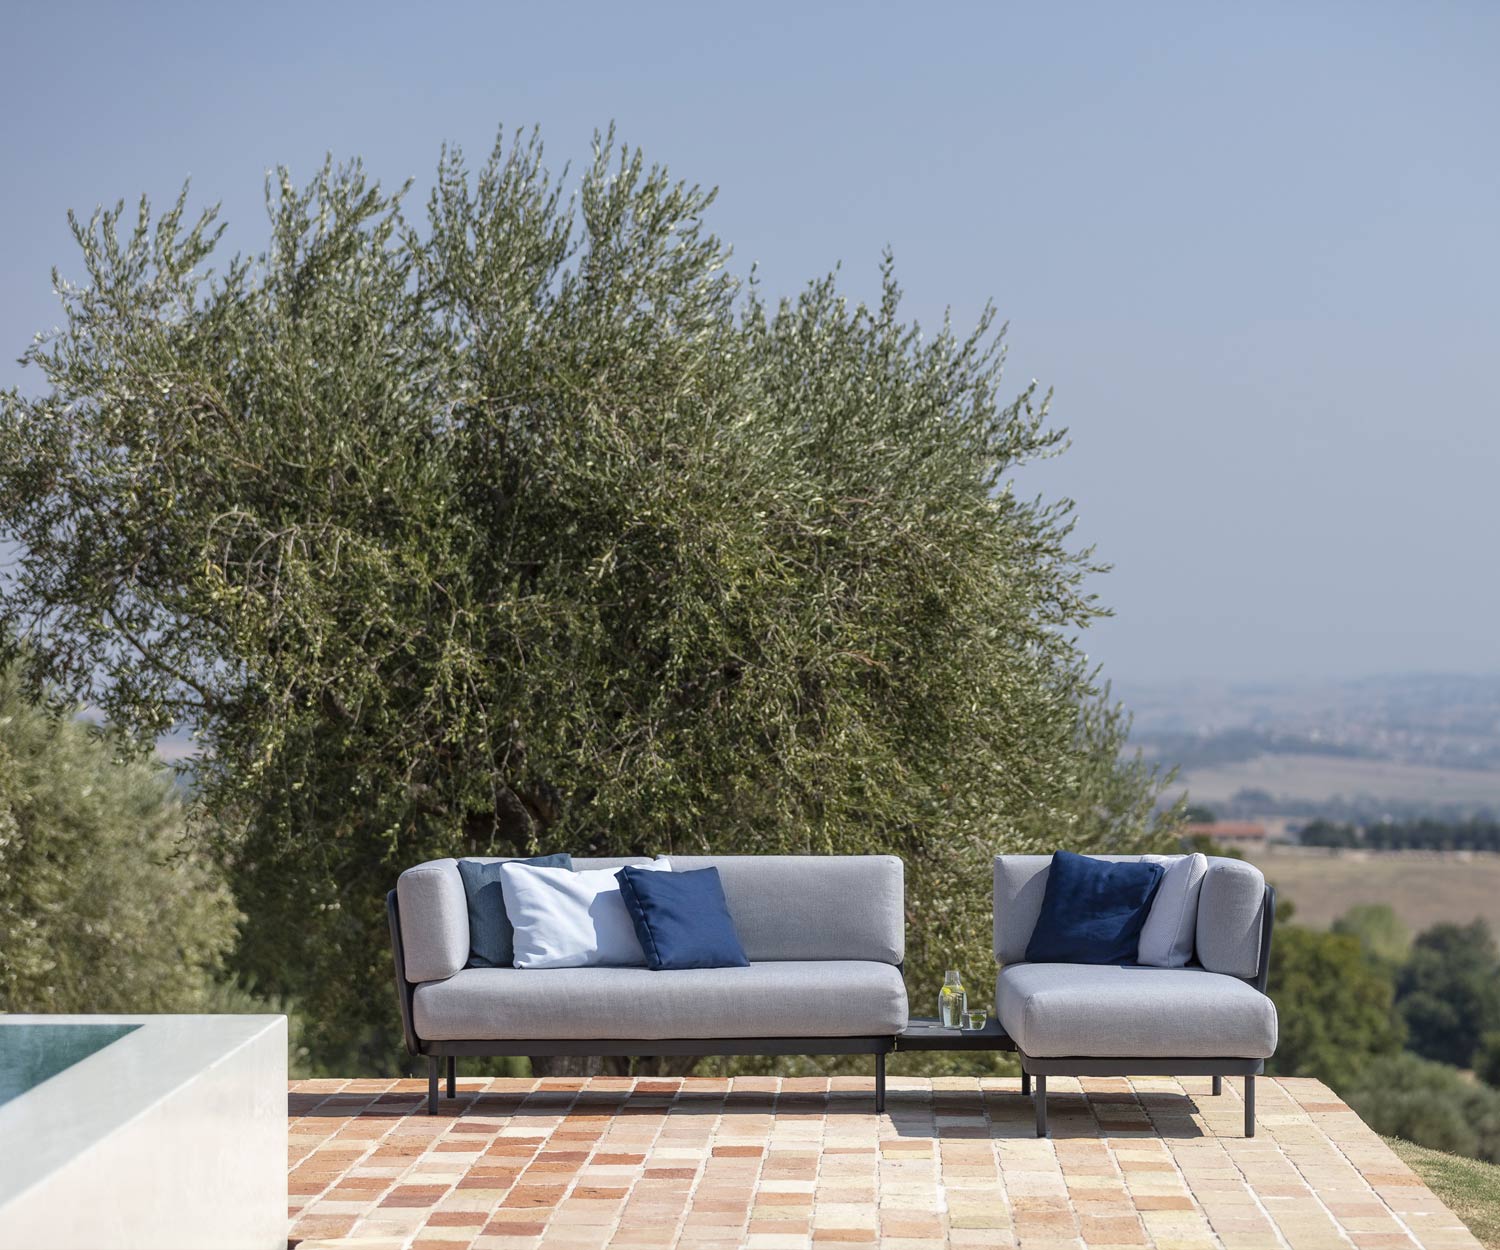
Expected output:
(613, 1065)
(566, 1065)
(652, 1065)
(666, 1065)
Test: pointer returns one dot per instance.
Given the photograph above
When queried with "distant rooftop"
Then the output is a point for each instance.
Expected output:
(1227, 831)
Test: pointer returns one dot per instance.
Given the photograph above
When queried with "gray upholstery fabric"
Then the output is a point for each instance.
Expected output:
(1230, 908)
(582, 865)
(434, 920)
(812, 906)
(1020, 884)
(841, 998)
(1101, 1011)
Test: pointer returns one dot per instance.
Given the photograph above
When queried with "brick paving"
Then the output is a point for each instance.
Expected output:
(770, 1163)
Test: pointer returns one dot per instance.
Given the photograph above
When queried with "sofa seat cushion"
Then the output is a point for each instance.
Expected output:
(842, 998)
(1056, 1011)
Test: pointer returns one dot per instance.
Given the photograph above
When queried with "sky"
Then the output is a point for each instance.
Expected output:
(1254, 249)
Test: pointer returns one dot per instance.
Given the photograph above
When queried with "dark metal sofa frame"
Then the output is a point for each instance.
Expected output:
(1034, 1071)
(447, 1053)
(1041, 1069)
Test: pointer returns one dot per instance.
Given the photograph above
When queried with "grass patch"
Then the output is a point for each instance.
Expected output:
(1469, 1187)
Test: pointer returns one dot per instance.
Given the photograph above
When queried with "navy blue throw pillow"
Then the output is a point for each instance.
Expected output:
(682, 919)
(1093, 911)
(492, 937)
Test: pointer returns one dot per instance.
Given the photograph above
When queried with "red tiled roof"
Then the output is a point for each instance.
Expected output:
(1226, 829)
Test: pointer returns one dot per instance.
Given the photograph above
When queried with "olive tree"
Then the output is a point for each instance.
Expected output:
(522, 523)
(103, 907)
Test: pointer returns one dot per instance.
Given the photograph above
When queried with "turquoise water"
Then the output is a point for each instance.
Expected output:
(33, 1053)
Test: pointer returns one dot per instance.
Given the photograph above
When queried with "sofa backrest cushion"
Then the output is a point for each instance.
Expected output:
(784, 907)
(1230, 906)
(434, 913)
(1020, 886)
(788, 907)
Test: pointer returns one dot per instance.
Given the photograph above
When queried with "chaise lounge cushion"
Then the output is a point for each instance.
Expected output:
(1069, 1010)
(841, 998)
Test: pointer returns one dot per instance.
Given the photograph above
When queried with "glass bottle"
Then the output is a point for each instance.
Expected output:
(952, 1001)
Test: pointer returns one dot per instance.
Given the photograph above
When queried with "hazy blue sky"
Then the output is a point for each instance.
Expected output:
(1255, 248)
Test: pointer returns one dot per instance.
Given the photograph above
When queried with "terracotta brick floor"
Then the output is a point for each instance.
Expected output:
(767, 1163)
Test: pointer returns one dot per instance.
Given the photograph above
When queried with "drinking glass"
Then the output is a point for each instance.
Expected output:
(974, 1020)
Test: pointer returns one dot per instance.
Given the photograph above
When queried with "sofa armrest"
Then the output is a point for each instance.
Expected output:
(404, 988)
(1020, 883)
(1232, 919)
(434, 920)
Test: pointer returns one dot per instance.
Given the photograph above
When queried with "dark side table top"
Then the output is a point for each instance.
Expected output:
(928, 1033)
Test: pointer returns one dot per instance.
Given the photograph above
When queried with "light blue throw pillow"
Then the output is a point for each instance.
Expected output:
(1167, 937)
(572, 919)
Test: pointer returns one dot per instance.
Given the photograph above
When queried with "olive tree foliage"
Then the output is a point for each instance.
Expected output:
(102, 905)
(524, 525)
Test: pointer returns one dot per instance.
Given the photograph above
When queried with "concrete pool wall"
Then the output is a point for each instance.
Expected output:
(171, 1135)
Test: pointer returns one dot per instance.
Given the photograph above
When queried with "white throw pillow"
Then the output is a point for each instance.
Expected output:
(1167, 936)
(567, 919)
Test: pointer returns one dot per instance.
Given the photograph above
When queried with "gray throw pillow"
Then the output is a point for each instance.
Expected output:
(492, 937)
(1167, 937)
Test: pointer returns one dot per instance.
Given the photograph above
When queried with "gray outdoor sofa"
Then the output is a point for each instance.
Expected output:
(825, 936)
(1211, 1018)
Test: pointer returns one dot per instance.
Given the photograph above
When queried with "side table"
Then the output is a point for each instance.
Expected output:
(929, 1033)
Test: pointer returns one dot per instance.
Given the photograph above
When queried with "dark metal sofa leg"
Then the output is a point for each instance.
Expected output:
(452, 1076)
(1025, 1083)
(1249, 1106)
(1218, 1086)
(880, 1083)
(1039, 1098)
(432, 1084)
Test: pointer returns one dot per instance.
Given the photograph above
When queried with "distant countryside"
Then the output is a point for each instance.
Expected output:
(1358, 769)
(1423, 889)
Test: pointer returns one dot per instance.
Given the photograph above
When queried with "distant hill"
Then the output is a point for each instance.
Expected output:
(1402, 746)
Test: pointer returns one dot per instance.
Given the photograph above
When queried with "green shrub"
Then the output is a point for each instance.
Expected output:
(1429, 1103)
(1486, 1061)
(1448, 991)
(1334, 1006)
(1379, 931)
(103, 905)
